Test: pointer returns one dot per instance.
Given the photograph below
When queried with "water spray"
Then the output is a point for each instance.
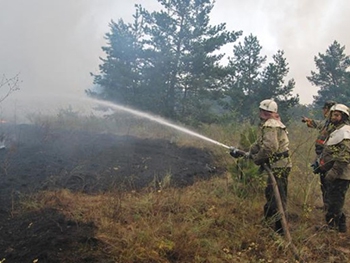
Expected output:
(156, 119)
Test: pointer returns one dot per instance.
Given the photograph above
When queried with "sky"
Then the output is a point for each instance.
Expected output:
(54, 44)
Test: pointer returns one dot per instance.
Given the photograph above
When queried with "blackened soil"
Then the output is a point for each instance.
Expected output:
(36, 159)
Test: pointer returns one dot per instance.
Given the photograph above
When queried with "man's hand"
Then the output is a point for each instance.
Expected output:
(236, 153)
(308, 121)
(305, 119)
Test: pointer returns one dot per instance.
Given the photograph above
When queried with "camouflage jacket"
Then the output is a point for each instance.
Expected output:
(272, 145)
(325, 127)
(335, 158)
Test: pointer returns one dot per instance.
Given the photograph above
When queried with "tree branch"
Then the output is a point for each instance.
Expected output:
(9, 85)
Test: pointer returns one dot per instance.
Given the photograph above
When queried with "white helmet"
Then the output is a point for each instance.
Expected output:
(340, 107)
(268, 105)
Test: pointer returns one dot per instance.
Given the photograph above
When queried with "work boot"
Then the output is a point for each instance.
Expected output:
(342, 228)
(342, 224)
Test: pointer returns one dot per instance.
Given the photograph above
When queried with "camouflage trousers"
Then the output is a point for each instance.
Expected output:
(324, 184)
(270, 207)
(336, 192)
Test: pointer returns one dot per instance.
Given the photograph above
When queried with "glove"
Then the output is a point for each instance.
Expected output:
(316, 169)
(236, 153)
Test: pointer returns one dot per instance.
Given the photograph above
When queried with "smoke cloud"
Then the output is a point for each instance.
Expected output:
(303, 29)
(54, 45)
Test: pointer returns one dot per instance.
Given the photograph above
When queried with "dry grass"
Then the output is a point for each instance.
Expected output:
(205, 222)
(210, 221)
(202, 223)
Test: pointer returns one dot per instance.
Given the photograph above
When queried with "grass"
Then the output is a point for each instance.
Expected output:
(201, 222)
(219, 220)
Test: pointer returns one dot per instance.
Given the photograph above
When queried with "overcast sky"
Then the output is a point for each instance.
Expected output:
(55, 44)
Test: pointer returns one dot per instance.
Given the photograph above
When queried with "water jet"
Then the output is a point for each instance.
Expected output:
(155, 119)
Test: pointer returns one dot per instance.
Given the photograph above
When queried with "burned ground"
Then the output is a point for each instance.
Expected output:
(36, 159)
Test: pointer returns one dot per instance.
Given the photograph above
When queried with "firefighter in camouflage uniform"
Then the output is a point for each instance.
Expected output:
(325, 127)
(335, 164)
(272, 148)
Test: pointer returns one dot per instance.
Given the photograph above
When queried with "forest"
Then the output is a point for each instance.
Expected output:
(169, 63)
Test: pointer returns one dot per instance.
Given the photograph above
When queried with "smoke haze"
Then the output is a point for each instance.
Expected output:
(54, 45)
(301, 28)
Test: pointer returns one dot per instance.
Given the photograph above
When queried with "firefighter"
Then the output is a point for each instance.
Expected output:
(325, 127)
(335, 164)
(272, 148)
(317, 124)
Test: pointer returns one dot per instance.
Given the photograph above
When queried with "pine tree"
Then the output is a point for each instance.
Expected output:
(184, 45)
(166, 62)
(273, 84)
(253, 82)
(121, 71)
(244, 73)
(331, 76)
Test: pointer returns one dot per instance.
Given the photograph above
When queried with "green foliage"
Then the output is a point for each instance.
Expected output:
(248, 137)
(243, 78)
(332, 76)
(273, 84)
(245, 172)
(183, 45)
(167, 61)
(251, 82)
(121, 70)
(298, 111)
(247, 177)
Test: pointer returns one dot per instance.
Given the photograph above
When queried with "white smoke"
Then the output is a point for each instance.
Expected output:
(54, 45)
(301, 28)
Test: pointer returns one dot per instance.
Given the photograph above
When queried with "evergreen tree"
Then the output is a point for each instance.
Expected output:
(332, 76)
(121, 71)
(253, 82)
(273, 84)
(184, 64)
(166, 62)
(245, 69)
